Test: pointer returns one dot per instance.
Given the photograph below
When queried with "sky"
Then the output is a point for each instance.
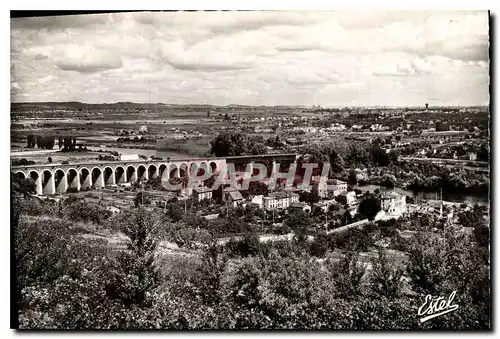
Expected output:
(327, 58)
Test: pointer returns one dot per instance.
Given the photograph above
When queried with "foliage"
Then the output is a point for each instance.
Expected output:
(141, 199)
(236, 143)
(135, 273)
(346, 275)
(299, 222)
(80, 210)
(318, 247)
(22, 162)
(44, 142)
(386, 276)
(369, 207)
(23, 186)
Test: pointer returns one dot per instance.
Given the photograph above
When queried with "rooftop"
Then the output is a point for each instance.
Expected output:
(235, 195)
(298, 204)
(281, 195)
(390, 195)
(202, 189)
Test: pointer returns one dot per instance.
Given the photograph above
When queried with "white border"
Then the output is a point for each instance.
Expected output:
(180, 5)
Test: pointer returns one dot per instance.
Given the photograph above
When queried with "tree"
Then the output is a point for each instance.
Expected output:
(69, 144)
(141, 199)
(318, 247)
(22, 162)
(347, 274)
(482, 235)
(336, 162)
(310, 197)
(26, 187)
(352, 179)
(379, 156)
(425, 266)
(369, 207)
(258, 149)
(299, 222)
(386, 276)
(229, 144)
(40, 141)
(277, 141)
(209, 274)
(135, 272)
(31, 142)
(257, 188)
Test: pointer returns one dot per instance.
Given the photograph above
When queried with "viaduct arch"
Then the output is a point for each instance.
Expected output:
(60, 178)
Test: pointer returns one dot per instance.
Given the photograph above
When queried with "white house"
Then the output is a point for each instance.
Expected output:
(279, 200)
(202, 193)
(258, 200)
(129, 157)
(393, 203)
(232, 196)
(336, 187)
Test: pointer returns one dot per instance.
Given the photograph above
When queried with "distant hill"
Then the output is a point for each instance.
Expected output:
(81, 106)
(74, 105)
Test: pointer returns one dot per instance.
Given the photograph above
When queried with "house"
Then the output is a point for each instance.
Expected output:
(258, 200)
(129, 157)
(329, 186)
(337, 187)
(232, 196)
(472, 156)
(279, 200)
(302, 206)
(393, 204)
(350, 197)
(202, 193)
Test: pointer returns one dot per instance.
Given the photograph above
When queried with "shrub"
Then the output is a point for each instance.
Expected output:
(318, 247)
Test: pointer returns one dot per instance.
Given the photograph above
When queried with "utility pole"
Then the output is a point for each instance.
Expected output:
(262, 224)
(441, 209)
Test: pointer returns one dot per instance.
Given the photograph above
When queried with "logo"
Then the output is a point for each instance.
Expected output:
(432, 308)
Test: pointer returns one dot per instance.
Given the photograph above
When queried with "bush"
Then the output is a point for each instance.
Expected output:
(86, 212)
(22, 162)
(249, 245)
(318, 247)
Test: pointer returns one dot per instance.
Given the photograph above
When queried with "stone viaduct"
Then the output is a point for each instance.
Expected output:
(59, 178)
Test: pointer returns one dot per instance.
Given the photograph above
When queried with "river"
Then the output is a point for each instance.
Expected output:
(429, 195)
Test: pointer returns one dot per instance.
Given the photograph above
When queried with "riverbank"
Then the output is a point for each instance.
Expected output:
(429, 194)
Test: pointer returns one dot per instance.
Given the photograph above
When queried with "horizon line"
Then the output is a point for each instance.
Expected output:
(246, 105)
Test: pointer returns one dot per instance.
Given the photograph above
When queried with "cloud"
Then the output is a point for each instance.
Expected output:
(271, 58)
(85, 59)
(404, 68)
(470, 48)
(59, 22)
(220, 22)
(208, 56)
